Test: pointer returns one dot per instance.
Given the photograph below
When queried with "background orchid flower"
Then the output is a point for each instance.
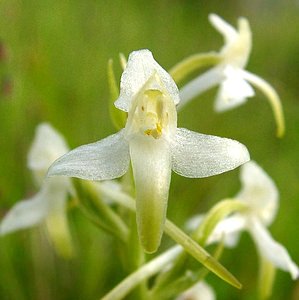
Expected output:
(48, 205)
(199, 291)
(260, 195)
(235, 82)
(153, 144)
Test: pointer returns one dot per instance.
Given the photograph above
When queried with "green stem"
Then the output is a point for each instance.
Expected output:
(193, 63)
(200, 254)
(143, 273)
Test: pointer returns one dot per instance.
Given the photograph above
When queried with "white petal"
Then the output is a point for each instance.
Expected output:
(198, 155)
(140, 67)
(229, 32)
(107, 159)
(228, 230)
(47, 146)
(152, 170)
(233, 91)
(26, 213)
(200, 84)
(237, 43)
(200, 291)
(272, 250)
(259, 192)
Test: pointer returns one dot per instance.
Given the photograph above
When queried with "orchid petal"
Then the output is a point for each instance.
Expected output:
(140, 67)
(228, 230)
(200, 84)
(47, 146)
(106, 159)
(259, 192)
(26, 213)
(233, 91)
(198, 155)
(199, 291)
(151, 164)
(272, 250)
(237, 43)
(229, 32)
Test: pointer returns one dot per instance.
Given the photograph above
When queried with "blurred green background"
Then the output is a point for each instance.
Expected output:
(53, 63)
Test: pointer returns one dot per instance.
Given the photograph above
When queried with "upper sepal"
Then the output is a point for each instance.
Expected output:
(140, 67)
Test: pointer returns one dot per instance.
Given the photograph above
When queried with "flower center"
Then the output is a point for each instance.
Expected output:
(153, 113)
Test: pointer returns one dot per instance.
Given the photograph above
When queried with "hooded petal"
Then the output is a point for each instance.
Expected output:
(233, 91)
(152, 170)
(198, 155)
(26, 213)
(259, 192)
(106, 159)
(140, 67)
(272, 250)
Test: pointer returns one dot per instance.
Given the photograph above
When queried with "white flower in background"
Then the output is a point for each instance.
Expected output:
(260, 194)
(199, 291)
(235, 82)
(234, 89)
(153, 144)
(49, 204)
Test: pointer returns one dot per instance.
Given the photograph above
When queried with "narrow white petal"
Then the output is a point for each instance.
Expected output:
(233, 91)
(228, 230)
(47, 146)
(107, 159)
(199, 291)
(140, 67)
(229, 32)
(26, 213)
(198, 155)
(152, 170)
(259, 192)
(200, 84)
(272, 250)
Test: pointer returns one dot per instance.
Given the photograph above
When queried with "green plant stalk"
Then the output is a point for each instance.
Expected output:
(144, 272)
(201, 234)
(180, 283)
(192, 63)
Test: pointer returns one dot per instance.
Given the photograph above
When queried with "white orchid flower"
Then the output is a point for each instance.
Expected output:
(48, 205)
(199, 291)
(235, 82)
(260, 194)
(153, 144)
